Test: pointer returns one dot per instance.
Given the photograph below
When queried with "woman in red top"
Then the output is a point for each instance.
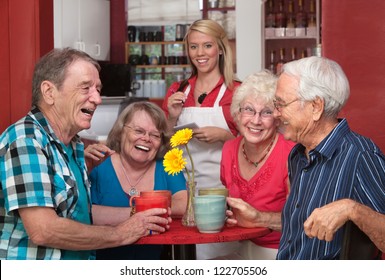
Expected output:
(254, 165)
(205, 99)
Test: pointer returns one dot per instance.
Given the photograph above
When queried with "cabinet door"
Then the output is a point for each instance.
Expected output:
(66, 24)
(94, 24)
(83, 25)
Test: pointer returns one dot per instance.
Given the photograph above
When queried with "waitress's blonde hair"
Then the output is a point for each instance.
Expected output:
(215, 30)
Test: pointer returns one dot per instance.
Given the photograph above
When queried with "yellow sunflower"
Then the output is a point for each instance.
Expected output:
(181, 137)
(173, 161)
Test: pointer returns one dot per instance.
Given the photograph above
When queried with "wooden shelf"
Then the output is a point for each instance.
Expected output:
(291, 38)
(301, 45)
(161, 71)
(206, 9)
(163, 66)
(155, 43)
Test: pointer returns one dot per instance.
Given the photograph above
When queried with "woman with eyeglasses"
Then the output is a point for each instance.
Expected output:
(254, 165)
(136, 145)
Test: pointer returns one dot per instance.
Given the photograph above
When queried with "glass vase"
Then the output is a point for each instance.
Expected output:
(188, 219)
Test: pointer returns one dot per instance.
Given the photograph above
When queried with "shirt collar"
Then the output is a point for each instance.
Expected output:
(38, 116)
(329, 144)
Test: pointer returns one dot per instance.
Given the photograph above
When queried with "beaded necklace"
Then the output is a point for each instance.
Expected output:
(263, 157)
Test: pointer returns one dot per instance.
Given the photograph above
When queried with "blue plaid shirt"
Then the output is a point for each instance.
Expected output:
(35, 172)
(343, 165)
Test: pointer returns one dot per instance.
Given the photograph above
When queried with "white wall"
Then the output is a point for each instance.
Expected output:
(249, 37)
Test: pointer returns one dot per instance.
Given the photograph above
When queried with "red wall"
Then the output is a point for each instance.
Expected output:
(26, 30)
(353, 35)
(5, 111)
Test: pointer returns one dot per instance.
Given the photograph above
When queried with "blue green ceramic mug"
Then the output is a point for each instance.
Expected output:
(210, 213)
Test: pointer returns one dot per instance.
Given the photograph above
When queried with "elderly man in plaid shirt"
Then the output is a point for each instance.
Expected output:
(45, 210)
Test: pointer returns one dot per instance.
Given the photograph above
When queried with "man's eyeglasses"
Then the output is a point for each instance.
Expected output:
(279, 104)
(250, 112)
(140, 132)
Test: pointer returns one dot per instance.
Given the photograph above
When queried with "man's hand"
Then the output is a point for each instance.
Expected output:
(325, 221)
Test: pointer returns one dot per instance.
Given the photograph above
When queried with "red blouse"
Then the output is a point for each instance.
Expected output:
(267, 190)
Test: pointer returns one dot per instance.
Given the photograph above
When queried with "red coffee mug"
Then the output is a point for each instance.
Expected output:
(139, 203)
(164, 193)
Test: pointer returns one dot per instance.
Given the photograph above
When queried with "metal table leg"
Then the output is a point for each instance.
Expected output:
(184, 252)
